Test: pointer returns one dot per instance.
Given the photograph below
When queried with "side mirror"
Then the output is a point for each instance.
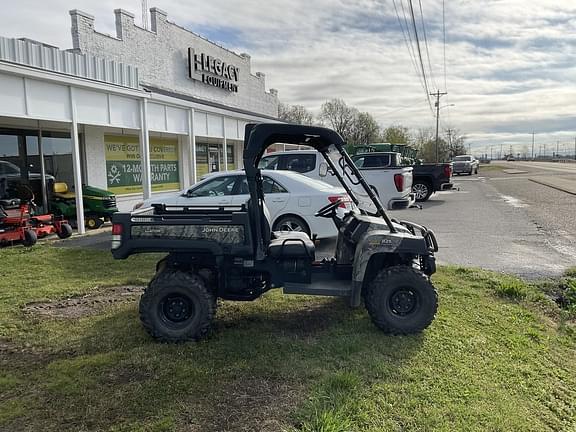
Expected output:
(323, 171)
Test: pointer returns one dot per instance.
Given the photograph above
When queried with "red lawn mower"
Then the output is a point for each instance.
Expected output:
(19, 223)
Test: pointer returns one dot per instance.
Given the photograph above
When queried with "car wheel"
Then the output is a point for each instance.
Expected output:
(291, 223)
(422, 191)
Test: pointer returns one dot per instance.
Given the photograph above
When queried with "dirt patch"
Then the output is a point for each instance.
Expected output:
(250, 404)
(90, 304)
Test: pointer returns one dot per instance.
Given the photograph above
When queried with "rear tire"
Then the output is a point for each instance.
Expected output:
(422, 191)
(291, 223)
(30, 238)
(177, 307)
(401, 300)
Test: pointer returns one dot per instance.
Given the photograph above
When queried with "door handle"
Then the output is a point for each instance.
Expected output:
(278, 200)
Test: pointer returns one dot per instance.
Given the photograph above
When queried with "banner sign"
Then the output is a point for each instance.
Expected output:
(124, 169)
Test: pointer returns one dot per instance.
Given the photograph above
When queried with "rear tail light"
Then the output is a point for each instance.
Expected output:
(344, 198)
(117, 235)
(448, 171)
(399, 182)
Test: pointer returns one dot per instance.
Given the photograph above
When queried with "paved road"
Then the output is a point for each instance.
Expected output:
(502, 223)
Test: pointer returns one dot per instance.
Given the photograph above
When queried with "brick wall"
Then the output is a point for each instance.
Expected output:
(161, 56)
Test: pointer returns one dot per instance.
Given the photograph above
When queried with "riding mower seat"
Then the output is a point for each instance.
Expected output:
(10, 203)
(61, 191)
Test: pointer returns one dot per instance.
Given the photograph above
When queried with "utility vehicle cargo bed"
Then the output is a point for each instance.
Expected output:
(195, 229)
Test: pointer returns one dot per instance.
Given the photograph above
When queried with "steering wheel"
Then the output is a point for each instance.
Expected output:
(328, 210)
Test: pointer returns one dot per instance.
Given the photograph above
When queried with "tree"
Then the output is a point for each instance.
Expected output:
(295, 114)
(365, 129)
(338, 116)
(425, 143)
(396, 134)
(456, 144)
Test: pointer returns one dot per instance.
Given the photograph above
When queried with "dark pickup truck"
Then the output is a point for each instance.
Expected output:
(426, 178)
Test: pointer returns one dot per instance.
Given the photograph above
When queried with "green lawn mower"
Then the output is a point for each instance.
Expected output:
(99, 204)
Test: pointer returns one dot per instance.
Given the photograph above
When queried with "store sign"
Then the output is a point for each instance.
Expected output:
(212, 71)
(124, 169)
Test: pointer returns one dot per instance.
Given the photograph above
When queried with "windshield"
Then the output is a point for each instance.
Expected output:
(352, 182)
(462, 158)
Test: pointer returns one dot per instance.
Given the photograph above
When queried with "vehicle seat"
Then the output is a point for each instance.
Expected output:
(292, 245)
(61, 191)
(285, 243)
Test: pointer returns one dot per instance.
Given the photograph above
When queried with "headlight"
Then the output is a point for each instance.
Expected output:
(138, 205)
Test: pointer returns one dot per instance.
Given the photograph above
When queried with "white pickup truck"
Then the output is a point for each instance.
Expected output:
(393, 185)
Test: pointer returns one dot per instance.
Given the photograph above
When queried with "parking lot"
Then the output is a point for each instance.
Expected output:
(503, 220)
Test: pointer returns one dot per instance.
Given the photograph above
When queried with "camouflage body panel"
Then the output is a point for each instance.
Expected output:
(375, 241)
(225, 234)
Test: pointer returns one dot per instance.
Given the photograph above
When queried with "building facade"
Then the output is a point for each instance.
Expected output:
(138, 113)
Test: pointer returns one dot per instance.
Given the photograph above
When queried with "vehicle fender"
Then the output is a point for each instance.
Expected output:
(372, 243)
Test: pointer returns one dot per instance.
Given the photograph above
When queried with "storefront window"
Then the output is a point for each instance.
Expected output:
(20, 163)
(201, 160)
(124, 168)
(231, 162)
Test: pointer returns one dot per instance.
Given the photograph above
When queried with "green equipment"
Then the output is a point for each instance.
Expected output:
(99, 204)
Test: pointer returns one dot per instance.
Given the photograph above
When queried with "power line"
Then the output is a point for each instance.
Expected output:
(444, 41)
(426, 44)
(408, 40)
(419, 51)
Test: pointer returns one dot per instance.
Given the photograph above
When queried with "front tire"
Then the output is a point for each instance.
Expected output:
(422, 191)
(401, 300)
(65, 231)
(177, 307)
(30, 238)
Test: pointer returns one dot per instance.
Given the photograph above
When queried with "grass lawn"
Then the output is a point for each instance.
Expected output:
(499, 356)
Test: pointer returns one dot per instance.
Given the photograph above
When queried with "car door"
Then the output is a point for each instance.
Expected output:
(275, 195)
(216, 191)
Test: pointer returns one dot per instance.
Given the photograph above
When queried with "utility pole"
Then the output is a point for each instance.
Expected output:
(501, 148)
(557, 146)
(490, 152)
(437, 94)
(574, 148)
(532, 145)
(544, 151)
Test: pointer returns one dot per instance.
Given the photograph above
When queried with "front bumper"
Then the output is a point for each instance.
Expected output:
(461, 169)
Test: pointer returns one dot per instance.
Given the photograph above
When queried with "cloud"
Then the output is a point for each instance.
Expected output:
(510, 65)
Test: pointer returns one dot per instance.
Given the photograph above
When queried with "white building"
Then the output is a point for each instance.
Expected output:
(136, 113)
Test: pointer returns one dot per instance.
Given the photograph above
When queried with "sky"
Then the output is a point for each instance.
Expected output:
(509, 67)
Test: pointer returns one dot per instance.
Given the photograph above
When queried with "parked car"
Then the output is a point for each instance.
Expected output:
(393, 184)
(510, 158)
(426, 178)
(292, 199)
(465, 164)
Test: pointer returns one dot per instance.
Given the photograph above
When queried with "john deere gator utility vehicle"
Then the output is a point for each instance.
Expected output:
(230, 252)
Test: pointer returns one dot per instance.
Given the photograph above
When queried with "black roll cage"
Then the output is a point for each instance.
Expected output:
(258, 137)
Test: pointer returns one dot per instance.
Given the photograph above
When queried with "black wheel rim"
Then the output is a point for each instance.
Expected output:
(403, 302)
(176, 310)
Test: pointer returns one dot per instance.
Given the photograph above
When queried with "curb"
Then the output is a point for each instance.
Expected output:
(553, 186)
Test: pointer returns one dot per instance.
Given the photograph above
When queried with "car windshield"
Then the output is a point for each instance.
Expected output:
(352, 182)
(462, 158)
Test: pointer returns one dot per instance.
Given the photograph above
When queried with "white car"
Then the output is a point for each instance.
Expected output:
(291, 198)
(392, 184)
